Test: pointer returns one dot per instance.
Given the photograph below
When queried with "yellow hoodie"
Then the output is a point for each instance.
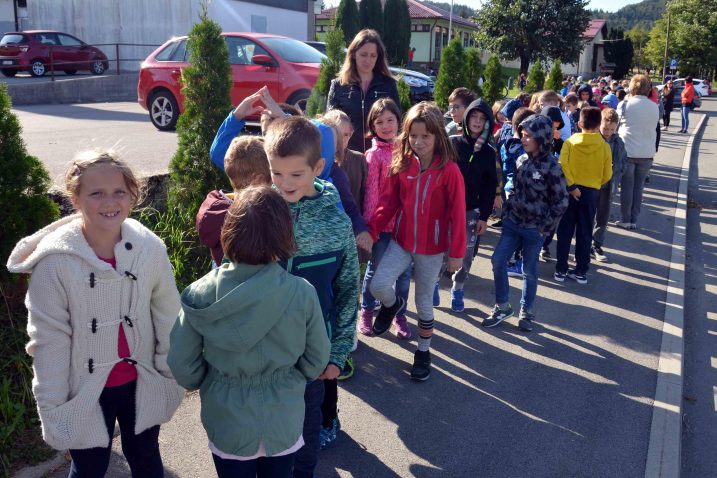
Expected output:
(586, 161)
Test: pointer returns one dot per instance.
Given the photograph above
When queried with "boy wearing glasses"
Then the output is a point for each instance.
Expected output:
(457, 102)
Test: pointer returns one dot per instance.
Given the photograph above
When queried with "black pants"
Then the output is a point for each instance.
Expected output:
(141, 451)
(306, 458)
(264, 467)
(666, 117)
(578, 220)
(329, 407)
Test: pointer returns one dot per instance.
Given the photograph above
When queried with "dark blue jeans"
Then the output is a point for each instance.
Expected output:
(578, 220)
(141, 451)
(512, 237)
(307, 457)
(685, 117)
(403, 283)
(264, 467)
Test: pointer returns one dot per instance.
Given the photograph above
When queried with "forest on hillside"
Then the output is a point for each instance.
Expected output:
(643, 14)
(458, 9)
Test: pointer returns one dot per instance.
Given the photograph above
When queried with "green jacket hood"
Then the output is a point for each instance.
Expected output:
(217, 299)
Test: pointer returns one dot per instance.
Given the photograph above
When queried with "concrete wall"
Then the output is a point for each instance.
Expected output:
(90, 89)
(152, 22)
(7, 16)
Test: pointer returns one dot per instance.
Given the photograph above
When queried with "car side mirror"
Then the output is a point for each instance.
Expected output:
(263, 60)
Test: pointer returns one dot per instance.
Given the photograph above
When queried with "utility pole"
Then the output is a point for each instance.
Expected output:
(450, 23)
(14, 9)
(667, 42)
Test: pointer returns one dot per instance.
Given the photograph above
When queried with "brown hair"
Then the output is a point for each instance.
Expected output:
(524, 98)
(428, 114)
(258, 228)
(245, 162)
(621, 94)
(379, 106)
(640, 85)
(87, 159)
(464, 95)
(520, 115)
(348, 73)
(609, 115)
(294, 135)
(571, 99)
(590, 117)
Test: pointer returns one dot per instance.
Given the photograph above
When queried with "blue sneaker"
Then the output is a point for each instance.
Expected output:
(457, 304)
(436, 297)
(328, 436)
(515, 269)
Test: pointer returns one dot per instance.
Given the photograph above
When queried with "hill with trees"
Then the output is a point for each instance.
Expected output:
(643, 14)
(458, 9)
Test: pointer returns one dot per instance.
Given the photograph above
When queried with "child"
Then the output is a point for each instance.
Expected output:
(245, 164)
(585, 94)
(587, 165)
(571, 109)
(352, 162)
(326, 257)
(101, 304)
(457, 102)
(383, 122)
(476, 161)
(251, 335)
(498, 116)
(608, 127)
(425, 189)
(538, 200)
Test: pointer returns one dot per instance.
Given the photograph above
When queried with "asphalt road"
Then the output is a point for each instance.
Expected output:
(572, 398)
(56, 133)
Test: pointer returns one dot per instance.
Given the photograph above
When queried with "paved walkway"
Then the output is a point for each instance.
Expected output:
(572, 398)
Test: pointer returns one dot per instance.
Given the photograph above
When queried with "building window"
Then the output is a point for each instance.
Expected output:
(320, 28)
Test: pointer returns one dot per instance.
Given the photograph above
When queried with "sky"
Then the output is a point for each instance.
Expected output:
(607, 5)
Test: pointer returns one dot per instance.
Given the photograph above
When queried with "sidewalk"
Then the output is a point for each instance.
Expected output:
(572, 398)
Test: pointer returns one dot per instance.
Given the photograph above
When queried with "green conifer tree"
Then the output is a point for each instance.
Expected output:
(206, 84)
(536, 78)
(404, 94)
(494, 82)
(473, 70)
(555, 77)
(24, 204)
(371, 15)
(397, 31)
(451, 73)
(348, 20)
(330, 67)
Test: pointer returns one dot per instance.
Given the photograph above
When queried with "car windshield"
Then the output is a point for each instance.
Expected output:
(293, 50)
(8, 39)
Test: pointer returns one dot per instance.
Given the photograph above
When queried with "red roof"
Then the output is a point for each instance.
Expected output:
(594, 27)
(417, 10)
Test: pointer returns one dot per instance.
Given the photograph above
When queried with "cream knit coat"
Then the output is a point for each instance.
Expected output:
(76, 303)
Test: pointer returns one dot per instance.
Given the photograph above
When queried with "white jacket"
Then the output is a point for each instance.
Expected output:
(638, 126)
(76, 303)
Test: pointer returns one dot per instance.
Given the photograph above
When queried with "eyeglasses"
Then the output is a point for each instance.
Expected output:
(455, 107)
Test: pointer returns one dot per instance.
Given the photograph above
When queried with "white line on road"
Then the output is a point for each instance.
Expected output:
(664, 451)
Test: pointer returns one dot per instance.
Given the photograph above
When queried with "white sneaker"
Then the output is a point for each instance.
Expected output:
(625, 225)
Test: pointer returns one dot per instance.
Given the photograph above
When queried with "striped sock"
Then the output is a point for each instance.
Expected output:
(424, 343)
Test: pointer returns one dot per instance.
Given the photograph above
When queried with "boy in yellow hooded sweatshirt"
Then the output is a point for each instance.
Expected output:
(587, 165)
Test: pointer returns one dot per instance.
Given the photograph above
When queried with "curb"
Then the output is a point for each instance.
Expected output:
(42, 469)
(664, 452)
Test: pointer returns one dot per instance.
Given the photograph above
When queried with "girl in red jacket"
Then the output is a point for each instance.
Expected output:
(425, 193)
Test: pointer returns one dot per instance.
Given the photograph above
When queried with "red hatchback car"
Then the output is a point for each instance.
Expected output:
(288, 67)
(30, 51)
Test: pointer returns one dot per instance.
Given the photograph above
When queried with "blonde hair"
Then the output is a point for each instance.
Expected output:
(609, 115)
(87, 159)
(337, 117)
(428, 114)
(245, 162)
(348, 73)
(640, 85)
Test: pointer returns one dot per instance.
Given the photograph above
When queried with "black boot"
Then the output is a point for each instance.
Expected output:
(421, 366)
(385, 317)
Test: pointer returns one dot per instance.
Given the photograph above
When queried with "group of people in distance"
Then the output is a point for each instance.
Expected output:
(268, 332)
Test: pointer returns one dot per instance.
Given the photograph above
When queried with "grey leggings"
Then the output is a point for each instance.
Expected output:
(425, 270)
(632, 185)
(603, 214)
(472, 241)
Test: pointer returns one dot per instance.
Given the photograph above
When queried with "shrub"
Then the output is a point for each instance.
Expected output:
(555, 78)
(371, 13)
(494, 85)
(536, 78)
(396, 31)
(404, 94)
(473, 70)
(347, 19)
(451, 73)
(330, 67)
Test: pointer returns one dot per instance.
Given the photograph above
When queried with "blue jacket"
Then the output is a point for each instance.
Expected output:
(509, 154)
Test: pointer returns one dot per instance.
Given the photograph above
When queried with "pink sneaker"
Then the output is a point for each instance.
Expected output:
(365, 322)
(403, 331)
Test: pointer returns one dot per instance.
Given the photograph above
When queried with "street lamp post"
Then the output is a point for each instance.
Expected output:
(450, 23)
(667, 41)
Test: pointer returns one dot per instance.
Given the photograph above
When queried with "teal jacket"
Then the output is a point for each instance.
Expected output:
(326, 257)
(249, 337)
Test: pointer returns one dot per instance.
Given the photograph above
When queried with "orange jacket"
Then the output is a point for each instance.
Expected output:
(688, 94)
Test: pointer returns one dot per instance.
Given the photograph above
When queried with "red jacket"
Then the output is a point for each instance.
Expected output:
(429, 207)
(688, 94)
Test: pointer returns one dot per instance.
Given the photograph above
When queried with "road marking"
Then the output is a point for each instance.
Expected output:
(664, 451)
(714, 392)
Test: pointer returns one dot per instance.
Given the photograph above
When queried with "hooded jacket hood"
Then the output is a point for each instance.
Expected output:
(482, 106)
(510, 108)
(328, 148)
(553, 112)
(585, 87)
(541, 129)
(588, 144)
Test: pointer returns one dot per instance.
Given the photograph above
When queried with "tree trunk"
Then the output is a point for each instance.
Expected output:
(524, 62)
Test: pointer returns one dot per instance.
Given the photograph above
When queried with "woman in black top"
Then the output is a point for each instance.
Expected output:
(668, 100)
(364, 78)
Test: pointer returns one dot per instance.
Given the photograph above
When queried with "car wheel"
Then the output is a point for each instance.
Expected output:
(38, 68)
(8, 72)
(70, 72)
(298, 99)
(163, 110)
(98, 67)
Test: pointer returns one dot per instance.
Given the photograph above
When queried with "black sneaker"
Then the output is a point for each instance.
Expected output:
(497, 224)
(385, 317)
(559, 276)
(498, 316)
(421, 366)
(579, 278)
(526, 320)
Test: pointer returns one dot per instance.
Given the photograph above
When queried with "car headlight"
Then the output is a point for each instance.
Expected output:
(415, 82)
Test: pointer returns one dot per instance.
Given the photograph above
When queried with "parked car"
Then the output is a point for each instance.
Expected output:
(34, 50)
(702, 87)
(288, 67)
(422, 86)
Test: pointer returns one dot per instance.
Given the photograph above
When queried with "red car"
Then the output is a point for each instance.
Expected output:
(30, 51)
(288, 67)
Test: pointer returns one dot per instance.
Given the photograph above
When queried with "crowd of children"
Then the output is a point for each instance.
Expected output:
(112, 339)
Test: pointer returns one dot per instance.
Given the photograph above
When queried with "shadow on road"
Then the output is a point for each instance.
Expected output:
(86, 111)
